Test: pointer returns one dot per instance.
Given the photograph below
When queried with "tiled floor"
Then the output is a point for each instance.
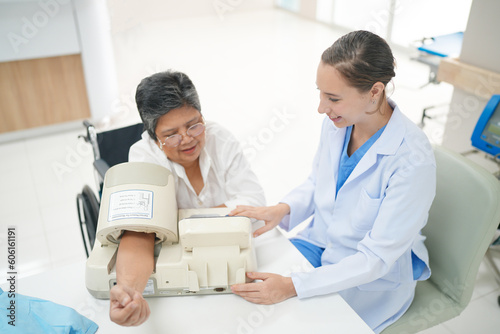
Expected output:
(255, 73)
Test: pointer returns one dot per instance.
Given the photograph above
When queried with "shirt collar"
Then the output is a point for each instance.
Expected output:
(205, 163)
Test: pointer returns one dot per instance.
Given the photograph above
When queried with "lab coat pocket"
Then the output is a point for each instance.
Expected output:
(365, 212)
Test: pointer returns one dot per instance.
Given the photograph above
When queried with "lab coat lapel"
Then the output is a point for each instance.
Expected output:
(336, 141)
(387, 144)
(364, 164)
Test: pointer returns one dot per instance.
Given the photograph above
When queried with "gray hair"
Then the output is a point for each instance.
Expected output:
(159, 93)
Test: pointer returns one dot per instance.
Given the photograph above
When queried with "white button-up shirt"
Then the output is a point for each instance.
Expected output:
(226, 172)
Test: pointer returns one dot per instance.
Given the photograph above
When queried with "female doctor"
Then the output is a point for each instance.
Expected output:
(370, 190)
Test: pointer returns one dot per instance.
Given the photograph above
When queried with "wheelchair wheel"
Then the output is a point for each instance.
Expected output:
(88, 213)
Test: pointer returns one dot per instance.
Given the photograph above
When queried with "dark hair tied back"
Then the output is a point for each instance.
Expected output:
(362, 58)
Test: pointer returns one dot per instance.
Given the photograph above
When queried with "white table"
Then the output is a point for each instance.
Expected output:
(221, 314)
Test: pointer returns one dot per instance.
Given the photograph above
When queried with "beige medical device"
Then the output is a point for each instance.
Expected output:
(198, 251)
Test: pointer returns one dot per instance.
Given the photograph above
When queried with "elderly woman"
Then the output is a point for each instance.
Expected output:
(209, 170)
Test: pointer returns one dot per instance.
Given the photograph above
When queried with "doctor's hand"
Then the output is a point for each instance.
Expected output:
(271, 215)
(127, 307)
(273, 289)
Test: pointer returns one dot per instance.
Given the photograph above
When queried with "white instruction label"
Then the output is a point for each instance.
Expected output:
(149, 289)
(130, 204)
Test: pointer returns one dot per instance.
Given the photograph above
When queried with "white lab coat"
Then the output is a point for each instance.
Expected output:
(370, 228)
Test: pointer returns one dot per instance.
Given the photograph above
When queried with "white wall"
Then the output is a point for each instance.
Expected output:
(34, 29)
(481, 47)
(37, 29)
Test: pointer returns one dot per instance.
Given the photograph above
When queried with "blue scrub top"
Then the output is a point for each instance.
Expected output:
(348, 163)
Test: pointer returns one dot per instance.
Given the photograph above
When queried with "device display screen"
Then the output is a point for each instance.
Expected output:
(486, 135)
(494, 128)
(491, 133)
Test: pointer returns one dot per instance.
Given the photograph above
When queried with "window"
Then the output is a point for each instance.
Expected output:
(291, 5)
(400, 22)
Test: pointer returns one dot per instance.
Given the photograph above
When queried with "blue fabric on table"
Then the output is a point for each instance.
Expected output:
(34, 315)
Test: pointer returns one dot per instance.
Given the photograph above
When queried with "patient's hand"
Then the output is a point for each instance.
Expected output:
(127, 307)
(271, 215)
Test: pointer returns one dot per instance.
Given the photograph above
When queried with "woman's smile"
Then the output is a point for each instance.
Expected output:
(189, 150)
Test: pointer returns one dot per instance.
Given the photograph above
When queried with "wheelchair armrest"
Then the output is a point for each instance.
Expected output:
(101, 166)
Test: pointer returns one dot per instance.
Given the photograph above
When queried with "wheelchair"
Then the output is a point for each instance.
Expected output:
(109, 148)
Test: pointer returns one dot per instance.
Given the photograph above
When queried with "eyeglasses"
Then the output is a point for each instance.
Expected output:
(175, 140)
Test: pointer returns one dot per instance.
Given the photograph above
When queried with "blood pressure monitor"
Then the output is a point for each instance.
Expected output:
(486, 135)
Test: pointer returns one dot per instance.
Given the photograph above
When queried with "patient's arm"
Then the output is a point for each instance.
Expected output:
(134, 265)
(135, 259)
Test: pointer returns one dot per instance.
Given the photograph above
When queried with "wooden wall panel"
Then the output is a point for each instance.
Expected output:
(472, 79)
(39, 92)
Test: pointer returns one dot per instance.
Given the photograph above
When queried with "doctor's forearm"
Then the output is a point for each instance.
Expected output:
(135, 259)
